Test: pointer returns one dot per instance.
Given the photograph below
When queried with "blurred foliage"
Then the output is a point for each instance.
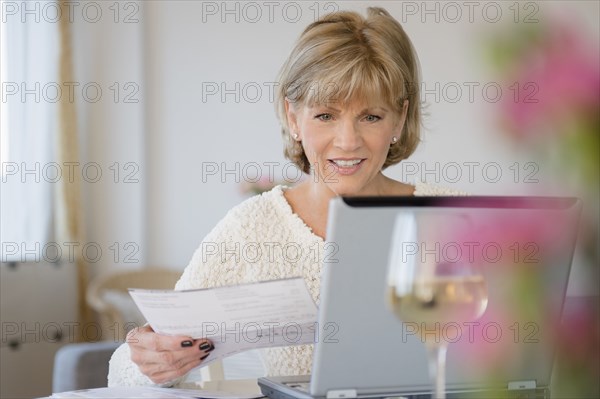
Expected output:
(554, 73)
(555, 117)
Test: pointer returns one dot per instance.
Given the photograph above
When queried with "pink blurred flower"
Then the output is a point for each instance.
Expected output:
(557, 80)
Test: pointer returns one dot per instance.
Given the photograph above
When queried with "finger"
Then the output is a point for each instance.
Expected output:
(160, 377)
(171, 359)
(145, 338)
(132, 335)
(204, 344)
(154, 363)
(161, 361)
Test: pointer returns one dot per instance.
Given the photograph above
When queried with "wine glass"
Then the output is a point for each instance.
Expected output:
(429, 292)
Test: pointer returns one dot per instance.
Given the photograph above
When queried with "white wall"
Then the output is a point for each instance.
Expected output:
(109, 55)
(180, 47)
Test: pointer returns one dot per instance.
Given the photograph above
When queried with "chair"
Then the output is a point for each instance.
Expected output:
(82, 366)
(107, 294)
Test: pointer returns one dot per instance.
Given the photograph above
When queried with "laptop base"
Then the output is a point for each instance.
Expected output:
(297, 387)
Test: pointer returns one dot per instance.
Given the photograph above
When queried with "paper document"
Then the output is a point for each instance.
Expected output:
(235, 318)
(150, 393)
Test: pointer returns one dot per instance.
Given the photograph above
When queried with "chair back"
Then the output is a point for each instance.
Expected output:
(108, 296)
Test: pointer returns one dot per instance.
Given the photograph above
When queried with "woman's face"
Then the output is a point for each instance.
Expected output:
(347, 145)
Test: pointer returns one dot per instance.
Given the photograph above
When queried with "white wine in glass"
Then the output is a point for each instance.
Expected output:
(434, 298)
(440, 300)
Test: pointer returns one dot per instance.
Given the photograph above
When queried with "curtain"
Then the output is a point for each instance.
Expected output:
(68, 205)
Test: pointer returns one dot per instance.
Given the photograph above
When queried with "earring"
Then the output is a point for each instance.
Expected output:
(394, 140)
(295, 136)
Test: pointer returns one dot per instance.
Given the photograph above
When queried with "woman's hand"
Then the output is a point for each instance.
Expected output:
(164, 358)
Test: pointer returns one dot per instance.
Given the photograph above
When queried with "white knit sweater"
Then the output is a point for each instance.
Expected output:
(260, 239)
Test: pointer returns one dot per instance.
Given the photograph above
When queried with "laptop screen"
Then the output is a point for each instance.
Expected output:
(523, 247)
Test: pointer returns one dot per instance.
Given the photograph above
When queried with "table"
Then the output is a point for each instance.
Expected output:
(233, 387)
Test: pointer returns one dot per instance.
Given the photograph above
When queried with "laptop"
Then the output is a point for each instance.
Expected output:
(364, 351)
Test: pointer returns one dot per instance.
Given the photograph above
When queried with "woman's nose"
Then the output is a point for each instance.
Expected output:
(347, 137)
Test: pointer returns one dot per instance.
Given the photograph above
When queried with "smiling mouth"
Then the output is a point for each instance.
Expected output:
(346, 163)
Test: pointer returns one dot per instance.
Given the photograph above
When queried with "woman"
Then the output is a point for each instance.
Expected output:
(348, 103)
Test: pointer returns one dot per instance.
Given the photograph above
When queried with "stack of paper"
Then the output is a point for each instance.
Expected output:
(150, 392)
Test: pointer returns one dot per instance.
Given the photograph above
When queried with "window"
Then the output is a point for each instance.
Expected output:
(29, 55)
(3, 105)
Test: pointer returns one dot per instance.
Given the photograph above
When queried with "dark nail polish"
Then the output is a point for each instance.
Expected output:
(206, 346)
(205, 356)
(186, 344)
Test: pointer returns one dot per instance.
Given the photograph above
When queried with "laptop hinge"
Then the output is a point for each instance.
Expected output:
(341, 393)
(521, 385)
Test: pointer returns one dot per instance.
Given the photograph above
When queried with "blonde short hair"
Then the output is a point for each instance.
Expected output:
(344, 56)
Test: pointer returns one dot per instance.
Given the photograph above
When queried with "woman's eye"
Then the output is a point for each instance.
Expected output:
(324, 117)
(372, 118)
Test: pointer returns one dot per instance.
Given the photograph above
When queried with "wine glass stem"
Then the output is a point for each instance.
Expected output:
(436, 353)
